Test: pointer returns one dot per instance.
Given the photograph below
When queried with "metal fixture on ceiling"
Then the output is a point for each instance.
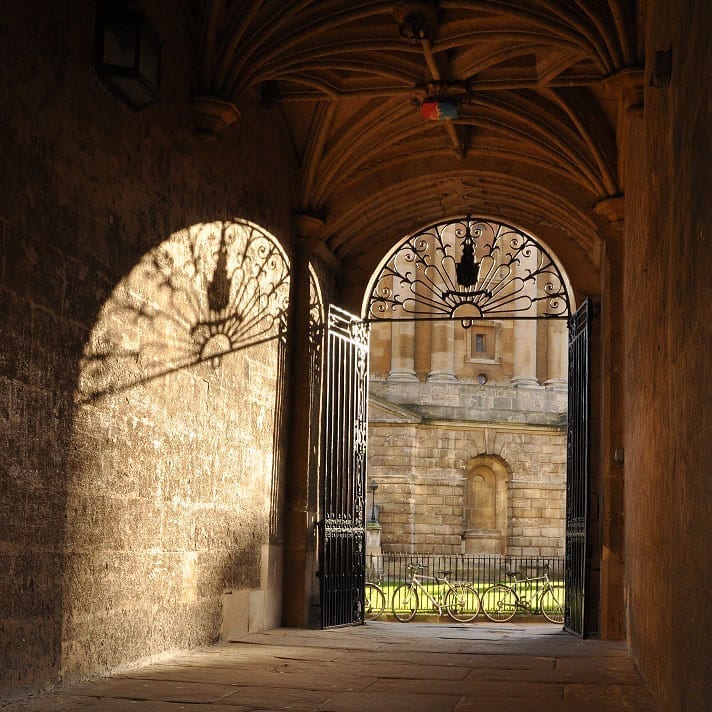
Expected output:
(418, 24)
(417, 20)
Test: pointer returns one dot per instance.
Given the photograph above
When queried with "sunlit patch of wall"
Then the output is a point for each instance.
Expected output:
(173, 470)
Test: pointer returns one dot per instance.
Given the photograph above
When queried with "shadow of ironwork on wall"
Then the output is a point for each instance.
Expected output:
(206, 292)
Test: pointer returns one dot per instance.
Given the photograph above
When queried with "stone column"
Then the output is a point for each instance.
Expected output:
(442, 351)
(402, 351)
(556, 355)
(524, 366)
(300, 587)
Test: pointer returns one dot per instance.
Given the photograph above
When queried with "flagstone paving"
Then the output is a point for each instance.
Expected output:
(379, 667)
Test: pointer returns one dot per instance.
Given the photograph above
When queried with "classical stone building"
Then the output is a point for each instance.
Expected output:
(468, 457)
(166, 274)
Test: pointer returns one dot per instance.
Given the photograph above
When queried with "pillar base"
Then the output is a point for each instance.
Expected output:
(402, 375)
(556, 384)
(442, 377)
(525, 382)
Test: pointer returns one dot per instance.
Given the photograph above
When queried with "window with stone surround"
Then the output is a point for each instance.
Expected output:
(483, 342)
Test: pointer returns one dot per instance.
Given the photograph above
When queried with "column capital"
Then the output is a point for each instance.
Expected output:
(212, 114)
(628, 84)
(311, 232)
(309, 226)
(611, 207)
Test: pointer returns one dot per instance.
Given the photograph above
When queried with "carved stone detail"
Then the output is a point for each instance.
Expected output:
(212, 114)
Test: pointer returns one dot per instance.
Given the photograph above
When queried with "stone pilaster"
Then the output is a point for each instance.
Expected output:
(442, 352)
(300, 556)
(556, 355)
(402, 351)
(525, 332)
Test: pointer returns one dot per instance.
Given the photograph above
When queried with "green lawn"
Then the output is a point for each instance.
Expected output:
(426, 606)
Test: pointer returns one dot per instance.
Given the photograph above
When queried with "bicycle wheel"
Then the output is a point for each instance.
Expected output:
(462, 603)
(551, 604)
(375, 601)
(405, 603)
(499, 603)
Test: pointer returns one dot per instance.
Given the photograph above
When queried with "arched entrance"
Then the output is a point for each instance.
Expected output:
(473, 270)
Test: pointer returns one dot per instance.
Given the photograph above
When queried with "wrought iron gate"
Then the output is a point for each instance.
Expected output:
(577, 469)
(343, 483)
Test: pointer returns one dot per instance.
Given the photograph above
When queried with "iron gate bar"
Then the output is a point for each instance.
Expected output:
(342, 529)
(577, 469)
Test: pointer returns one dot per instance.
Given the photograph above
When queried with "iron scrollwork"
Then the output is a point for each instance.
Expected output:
(469, 269)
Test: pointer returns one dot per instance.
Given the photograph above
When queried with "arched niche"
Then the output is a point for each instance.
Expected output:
(485, 506)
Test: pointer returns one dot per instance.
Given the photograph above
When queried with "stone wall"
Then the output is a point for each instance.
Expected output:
(423, 453)
(668, 311)
(123, 518)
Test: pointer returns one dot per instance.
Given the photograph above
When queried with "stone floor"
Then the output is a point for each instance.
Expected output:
(379, 667)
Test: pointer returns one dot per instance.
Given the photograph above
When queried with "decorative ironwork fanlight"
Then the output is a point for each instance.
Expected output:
(502, 273)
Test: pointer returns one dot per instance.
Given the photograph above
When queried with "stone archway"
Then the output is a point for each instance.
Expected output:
(475, 271)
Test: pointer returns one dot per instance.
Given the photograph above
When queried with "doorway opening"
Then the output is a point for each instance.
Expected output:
(469, 436)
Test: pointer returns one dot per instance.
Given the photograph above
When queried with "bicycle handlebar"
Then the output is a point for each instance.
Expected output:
(415, 566)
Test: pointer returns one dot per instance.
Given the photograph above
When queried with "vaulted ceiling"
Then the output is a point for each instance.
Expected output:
(537, 85)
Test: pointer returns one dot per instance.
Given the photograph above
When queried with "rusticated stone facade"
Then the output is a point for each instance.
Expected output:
(464, 466)
(458, 484)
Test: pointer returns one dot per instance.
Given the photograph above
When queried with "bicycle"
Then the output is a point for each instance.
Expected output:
(375, 601)
(501, 601)
(459, 600)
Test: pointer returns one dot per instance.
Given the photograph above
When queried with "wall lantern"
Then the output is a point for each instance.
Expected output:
(127, 53)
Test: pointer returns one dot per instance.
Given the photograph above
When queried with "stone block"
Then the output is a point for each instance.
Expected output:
(423, 528)
(256, 622)
(235, 614)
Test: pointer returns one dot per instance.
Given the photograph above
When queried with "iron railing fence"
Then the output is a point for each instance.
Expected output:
(480, 570)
